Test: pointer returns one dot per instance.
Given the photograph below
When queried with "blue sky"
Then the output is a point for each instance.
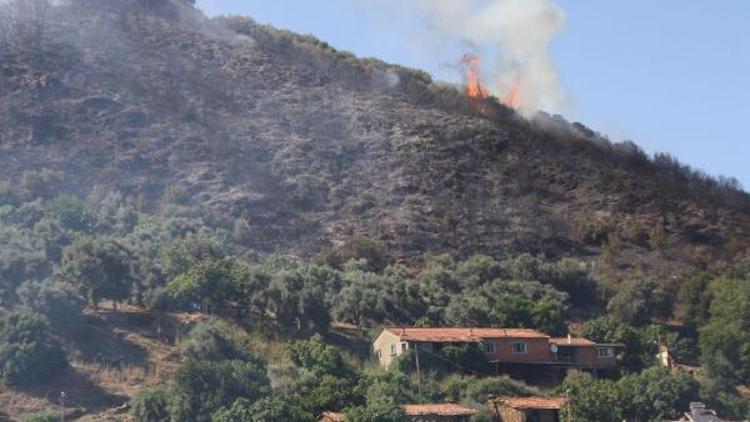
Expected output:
(672, 75)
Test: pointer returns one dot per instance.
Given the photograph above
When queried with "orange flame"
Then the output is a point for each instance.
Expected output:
(513, 99)
(474, 86)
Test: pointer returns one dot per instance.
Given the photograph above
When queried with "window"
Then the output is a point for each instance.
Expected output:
(380, 353)
(519, 348)
(604, 352)
(404, 346)
(393, 349)
(489, 347)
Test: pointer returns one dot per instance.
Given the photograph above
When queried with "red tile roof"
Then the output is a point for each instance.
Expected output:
(530, 403)
(462, 334)
(442, 409)
(563, 341)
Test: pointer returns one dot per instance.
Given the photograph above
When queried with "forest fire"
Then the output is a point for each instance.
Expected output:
(474, 86)
(477, 90)
(513, 99)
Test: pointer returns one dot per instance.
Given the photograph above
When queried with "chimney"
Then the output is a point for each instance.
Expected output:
(403, 331)
(570, 339)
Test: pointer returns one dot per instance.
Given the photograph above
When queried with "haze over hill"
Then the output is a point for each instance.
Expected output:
(310, 146)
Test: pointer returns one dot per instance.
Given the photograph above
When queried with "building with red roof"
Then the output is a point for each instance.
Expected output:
(500, 345)
(526, 409)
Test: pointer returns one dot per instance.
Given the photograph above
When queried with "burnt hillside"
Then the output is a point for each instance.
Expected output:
(310, 147)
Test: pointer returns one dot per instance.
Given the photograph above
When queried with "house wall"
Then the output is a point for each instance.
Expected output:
(587, 356)
(508, 414)
(382, 347)
(537, 350)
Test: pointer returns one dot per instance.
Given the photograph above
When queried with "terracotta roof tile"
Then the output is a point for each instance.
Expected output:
(530, 403)
(462, 334)
(442, 409)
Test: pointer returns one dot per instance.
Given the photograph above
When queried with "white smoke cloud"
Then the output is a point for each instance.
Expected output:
(521, 31)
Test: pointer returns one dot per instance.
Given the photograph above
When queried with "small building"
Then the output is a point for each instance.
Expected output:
(443, 412)
(699, 413)
(526, 409)
(500, 346)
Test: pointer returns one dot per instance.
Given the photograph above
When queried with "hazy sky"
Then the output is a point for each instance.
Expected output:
(672, 75)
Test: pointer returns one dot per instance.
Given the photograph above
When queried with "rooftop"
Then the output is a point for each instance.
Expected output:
(462, 334)
(442, 409)
(530, 403)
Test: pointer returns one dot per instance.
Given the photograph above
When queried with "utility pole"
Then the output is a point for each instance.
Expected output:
(419, 375)
(62, 406)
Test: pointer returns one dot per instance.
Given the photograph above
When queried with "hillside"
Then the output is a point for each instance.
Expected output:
(311, 146)
(188, 203)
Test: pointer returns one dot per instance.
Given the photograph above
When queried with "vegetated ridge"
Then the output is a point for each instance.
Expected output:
(307, 147)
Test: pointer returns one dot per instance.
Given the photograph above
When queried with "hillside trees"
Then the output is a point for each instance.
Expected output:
(298, 302)
(725, 339)
(28, 353)
(637, 301)
(201, 388)
(654, 394)
(101, 268)
(151, 405)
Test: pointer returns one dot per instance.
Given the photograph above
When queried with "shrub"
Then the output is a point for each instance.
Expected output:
(7, 195)
(638, 301)
(57, 301)
(201, 388)
(43, 416)
(101, 268)
(213, 341)
(27, 352)
(318, 357)
(281, 408)
(42, 183)
(150, 405)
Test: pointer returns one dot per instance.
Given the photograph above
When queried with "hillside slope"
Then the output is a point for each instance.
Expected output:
(311, 147)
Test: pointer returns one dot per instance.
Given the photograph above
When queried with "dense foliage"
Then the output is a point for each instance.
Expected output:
(28, 354)
(65, 252)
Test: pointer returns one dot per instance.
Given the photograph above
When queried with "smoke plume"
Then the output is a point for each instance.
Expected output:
(520, 31)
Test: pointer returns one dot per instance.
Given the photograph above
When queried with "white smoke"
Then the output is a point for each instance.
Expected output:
(520, 30)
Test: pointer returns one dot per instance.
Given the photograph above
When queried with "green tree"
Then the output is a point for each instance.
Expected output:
(637, 301)
(319, 358)
(213, 341)
(201, 388)
(210, 282)
(377, 409)
(298, 302)
(279, 408)
(101, 268)
(43, 416)
(725, 339)
(610, 330)
(28, 354)
(591, 399)
(656, 394)
(58, 302)
(150, 405)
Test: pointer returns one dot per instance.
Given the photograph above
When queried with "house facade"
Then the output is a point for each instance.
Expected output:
(500, 345)
(526, 409)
